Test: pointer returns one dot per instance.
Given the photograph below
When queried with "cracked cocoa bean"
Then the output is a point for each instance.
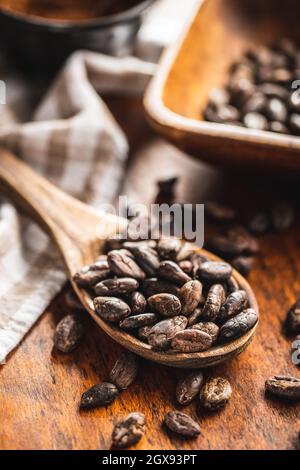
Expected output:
(129, 431)
(189, 387)
(215, 393)
(116, 286)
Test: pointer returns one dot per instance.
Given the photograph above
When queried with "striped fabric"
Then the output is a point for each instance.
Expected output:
(74, 141)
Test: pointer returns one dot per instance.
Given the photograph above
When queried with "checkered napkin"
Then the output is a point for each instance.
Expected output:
(73, 140)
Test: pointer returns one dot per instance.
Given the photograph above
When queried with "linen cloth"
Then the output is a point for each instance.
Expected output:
(73, 140)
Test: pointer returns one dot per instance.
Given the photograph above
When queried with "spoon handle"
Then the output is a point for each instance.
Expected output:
(69, 222)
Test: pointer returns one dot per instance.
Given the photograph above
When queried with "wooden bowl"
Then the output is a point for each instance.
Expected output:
(219, 32)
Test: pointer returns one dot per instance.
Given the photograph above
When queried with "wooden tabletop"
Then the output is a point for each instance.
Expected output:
(40, 390)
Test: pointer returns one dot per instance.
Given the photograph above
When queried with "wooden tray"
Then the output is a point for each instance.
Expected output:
(215, 37)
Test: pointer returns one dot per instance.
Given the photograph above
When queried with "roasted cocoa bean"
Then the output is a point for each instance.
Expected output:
(284, 387)
(124, 371)
(147, 259)
(168, 248)
(191, 340)
(234, 304)
(123, 265)
(215, 393)
(129, 431)
(136, 321)
(190, 296)
(208, 327)
(167, 305)
(238, 325)
(162, 333)
(89, 277)
(111, 308)
(189, 387)
(215, 271)
(68, 333)
(153, 286)
(214, 301)
(116, 286)
(181, 424)
(99, 395)
(172, 272)
(137, 303)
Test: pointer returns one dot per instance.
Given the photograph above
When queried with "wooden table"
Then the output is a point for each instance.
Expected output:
(40, 391)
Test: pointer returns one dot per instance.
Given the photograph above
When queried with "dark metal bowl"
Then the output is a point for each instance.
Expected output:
(39, 44)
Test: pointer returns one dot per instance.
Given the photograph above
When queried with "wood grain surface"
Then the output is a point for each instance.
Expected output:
(40, 389)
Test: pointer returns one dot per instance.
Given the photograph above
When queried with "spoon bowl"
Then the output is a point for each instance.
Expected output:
(79, 232)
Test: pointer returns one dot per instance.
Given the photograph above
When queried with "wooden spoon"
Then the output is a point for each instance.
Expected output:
(79, 233)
